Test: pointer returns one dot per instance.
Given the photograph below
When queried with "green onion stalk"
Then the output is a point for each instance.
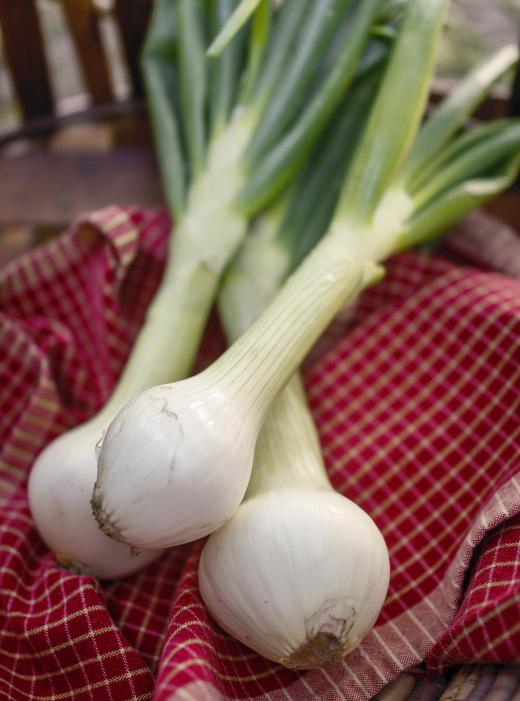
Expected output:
(176, 461)
(278, 574)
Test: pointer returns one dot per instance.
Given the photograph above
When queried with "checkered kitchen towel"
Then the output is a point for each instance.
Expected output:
(418, 409)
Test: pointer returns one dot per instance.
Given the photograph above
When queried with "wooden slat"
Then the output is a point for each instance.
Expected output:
(514, 104)
(52, 189)
(42, 126)
(132, 17)
(507, 208)
(82, 20)
(24, 52)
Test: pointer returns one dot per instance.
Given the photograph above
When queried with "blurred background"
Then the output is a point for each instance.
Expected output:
(475, 29)
(73, 130)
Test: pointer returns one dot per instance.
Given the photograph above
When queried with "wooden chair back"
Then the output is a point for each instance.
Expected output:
(24, 48)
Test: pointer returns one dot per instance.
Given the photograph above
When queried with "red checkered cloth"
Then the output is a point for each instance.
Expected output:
(418, 409)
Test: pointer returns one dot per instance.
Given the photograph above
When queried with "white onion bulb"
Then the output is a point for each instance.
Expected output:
(297, 574)
(174, 464)
(60, 486)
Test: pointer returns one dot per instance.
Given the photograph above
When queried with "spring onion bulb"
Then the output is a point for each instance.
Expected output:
(197, 436)
(59, 487)
(175, 462)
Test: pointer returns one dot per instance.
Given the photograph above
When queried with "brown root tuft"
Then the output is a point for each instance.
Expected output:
(73, 565)
(102, 517)
(321, 650)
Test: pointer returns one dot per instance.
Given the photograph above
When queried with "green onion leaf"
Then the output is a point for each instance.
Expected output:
(483, 154)
(257, 46)
(397, 112)
(192, 65)
(455, 109)
(452, 205)
(234, 24)
(384, 31)
(318, 187)
(313, 38)
(224, 70)
(281, 163)
(392, 9)
(286, 25)
(463, 144)
(158, 61)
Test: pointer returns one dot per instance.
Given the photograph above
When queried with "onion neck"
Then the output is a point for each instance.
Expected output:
(255, 276)
(204, 241)
(288, 452)
(260, 362)
(165, 348)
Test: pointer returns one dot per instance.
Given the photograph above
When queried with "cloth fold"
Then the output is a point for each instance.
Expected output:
(417, 402)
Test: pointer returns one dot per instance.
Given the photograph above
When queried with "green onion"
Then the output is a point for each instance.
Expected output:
(257, 46)
(192, 71)
(282, 161)
(204, 112)
(293, 538)
(280, 106)
(399, 107)
(452, 205)
(162, 88)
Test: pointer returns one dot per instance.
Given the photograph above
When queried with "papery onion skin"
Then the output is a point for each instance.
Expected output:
(251, 570)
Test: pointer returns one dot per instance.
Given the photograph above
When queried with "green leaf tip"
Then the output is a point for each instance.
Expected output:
(240, 16)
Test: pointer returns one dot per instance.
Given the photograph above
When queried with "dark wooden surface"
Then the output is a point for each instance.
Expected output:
(82, 21)
(51, 189)
(24, 52)
(133, 16)
(42, 127)
(507, 208)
